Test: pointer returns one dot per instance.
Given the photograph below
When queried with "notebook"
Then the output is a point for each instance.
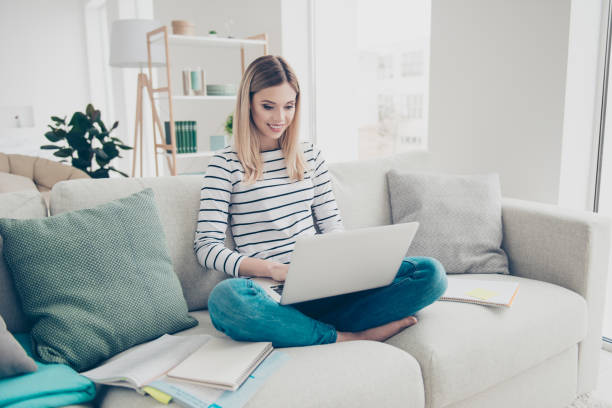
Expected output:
(221, 363)
(482, 292)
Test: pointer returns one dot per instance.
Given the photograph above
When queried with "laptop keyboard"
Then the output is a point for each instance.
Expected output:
(278, 288)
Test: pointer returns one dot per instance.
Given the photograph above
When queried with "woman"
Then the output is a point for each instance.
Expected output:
(273, 188)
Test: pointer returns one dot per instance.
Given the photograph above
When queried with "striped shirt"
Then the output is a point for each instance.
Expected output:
(265, 217)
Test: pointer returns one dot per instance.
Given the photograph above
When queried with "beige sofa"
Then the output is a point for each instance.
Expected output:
(541, 352)
(21, 173)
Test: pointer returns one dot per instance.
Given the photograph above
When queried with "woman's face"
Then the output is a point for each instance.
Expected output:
(273, 109)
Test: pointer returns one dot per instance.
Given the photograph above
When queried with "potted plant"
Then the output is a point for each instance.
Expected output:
(229, 124)
(86, 138)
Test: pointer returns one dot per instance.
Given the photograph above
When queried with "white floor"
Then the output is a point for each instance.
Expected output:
(604, 382)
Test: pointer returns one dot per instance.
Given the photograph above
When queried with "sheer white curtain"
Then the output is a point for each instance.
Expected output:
(371, 76)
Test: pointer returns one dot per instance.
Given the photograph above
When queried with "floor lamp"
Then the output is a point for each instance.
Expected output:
(129, 50)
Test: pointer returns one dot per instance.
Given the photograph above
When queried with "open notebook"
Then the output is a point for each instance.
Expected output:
(479, 291)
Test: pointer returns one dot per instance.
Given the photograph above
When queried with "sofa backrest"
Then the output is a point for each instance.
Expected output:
(20, 205)
(360, 188)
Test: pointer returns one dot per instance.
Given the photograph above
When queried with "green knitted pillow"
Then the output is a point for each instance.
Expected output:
(95, 282)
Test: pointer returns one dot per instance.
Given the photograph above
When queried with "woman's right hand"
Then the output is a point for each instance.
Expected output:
(278, 271)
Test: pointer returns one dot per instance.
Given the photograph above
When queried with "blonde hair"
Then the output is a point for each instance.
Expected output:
(263, 73)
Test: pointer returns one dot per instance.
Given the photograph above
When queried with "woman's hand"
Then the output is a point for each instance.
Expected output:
(278, 271)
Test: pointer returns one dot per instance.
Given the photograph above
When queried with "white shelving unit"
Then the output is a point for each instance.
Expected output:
(165, 94)
(197, 98)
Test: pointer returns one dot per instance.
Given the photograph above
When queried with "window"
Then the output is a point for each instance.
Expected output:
(412, 63)
(371, 76)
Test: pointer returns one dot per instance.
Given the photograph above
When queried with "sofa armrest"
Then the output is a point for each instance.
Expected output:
(568, 248)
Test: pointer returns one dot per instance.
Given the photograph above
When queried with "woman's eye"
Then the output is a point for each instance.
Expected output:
(267, 107)
(289, 107)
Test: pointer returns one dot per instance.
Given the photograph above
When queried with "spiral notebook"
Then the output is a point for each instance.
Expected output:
(222, 363)
(479, 291)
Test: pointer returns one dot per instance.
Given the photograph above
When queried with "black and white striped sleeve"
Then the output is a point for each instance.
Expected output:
(324, 207)
(209, 244)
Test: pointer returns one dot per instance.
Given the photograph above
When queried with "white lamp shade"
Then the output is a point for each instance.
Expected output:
(129, 44)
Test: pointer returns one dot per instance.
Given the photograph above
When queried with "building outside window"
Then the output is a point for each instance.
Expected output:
(371, 77)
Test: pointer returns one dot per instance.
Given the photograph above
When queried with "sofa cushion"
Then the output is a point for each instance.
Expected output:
(178, 201)
(350, 374)
(460, 219)
(13, 358)
(464, 349)
(14, 182)
(95, 281)
(24, 204)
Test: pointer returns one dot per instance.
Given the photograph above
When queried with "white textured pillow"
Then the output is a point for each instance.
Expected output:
(460, 219)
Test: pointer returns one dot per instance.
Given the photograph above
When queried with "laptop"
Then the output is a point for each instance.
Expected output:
(333, 264)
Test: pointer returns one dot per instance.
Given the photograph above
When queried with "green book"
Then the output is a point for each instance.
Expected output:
(181, 137)
(189, 139)
(194, 136)
(167, 129)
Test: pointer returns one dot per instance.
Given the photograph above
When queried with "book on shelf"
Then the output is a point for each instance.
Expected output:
(480, 291)
(185, 136)
(214, 369)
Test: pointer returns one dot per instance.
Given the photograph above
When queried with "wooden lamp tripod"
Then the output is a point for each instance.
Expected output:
(129, 50)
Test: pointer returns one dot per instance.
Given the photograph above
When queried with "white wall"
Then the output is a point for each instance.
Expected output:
(296, 49)
(43, 64)
(497, 91)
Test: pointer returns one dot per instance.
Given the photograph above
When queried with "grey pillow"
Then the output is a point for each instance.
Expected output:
(13, 358)
(460, 219)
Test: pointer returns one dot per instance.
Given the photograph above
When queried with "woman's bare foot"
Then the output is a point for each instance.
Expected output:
(380, 333)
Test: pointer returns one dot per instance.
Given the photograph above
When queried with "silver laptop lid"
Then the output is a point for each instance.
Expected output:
(342, 262)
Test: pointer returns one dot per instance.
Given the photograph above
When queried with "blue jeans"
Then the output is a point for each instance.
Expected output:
(241, 309)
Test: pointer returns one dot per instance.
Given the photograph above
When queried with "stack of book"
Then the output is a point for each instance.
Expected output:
(221, 89)
(186, 135)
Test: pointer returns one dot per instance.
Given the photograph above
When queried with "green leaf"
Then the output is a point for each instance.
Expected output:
(124, 147)
(100, 173)
(110, 150)
(95, 117)
(63, 152)
(118, 171)
(115, 125)
(50, 147)
(81, 163)
(85, 154)
(80, 123)
(101, 153)
(89, 110)
(77, 140)
(58, 120)
(102, 127)
(101, 162)
(53, 136)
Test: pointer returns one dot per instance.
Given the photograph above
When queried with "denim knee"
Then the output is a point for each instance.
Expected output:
(437, 277)
(433, 271)
(226, 300)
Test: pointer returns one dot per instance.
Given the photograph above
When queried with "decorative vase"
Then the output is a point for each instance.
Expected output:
(217, 142)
